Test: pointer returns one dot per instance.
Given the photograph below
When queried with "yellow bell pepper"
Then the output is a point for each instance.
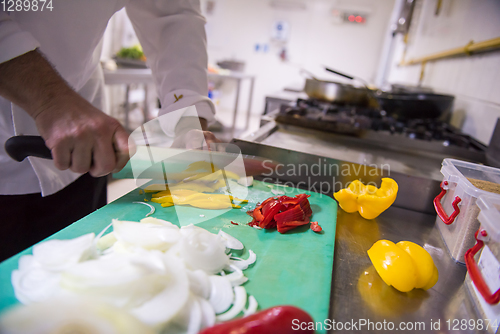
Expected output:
(368, 200)
(404, 265)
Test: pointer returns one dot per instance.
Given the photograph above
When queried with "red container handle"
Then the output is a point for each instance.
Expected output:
(475, 273)
(439, 207)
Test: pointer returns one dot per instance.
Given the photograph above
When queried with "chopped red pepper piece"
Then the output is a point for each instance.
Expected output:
(234, 223)
(287, 226)
(284, 213)
(257, 214)
(294, 213)
(315, 227)
(273, 209)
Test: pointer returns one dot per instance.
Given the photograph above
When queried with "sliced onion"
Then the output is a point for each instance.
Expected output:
(133, 272)
(231, 242)
(70, 316)
(252, 306)
(156, 221)
(188, 229)
(147, 236)
(203, 250)
(103, 231)
(190, 317)
(236, 277)
(240, 301)
(57, 255)
(28, 262)
(243, 264)
(35, 284)
(199, 284)
(151, 208)
(121, 247)
(221, 294)
(116, 279)
(164, 306)
(207, 312)
(106, 241)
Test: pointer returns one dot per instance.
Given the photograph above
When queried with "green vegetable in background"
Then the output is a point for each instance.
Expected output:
(134, 52)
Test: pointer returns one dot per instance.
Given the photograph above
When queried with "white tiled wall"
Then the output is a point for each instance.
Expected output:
(474, 80)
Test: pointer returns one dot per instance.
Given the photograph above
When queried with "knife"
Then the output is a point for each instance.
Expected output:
(21, 147)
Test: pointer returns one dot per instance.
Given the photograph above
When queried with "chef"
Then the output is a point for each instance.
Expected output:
(51, 84)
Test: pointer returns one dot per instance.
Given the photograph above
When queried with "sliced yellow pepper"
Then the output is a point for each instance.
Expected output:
(368, 200)
(201, 182)
(404, 265)
(199, 200)
(195, 190)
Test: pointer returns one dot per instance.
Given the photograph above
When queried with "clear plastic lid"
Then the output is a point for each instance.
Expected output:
(486, 179)
(490, 215)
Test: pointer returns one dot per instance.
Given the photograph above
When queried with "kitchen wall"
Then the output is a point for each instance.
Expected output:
(316, 38)
(474, 80)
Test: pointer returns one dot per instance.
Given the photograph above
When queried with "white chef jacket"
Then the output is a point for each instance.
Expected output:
(171, 33)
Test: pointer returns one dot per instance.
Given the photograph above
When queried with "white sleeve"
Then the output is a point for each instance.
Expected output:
(172, 34)
(13, 40)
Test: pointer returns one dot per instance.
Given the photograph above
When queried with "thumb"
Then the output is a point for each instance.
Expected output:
(124, 147)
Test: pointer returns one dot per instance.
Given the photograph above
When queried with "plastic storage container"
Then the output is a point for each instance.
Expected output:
(456, 207)
(483, 278)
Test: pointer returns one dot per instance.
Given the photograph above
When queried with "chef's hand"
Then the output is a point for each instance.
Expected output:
(189, 135)
(81, 137)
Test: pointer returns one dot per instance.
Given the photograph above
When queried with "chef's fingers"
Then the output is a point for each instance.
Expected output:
(211, 141)
(61, 154)
(123, 151)
(81, 156)
(103, 157)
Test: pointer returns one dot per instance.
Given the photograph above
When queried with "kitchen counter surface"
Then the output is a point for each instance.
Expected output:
(360, 301)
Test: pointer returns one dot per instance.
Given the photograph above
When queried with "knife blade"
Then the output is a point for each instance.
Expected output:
(157, 159)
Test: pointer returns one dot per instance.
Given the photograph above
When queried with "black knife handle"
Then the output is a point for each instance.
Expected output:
(20, 147)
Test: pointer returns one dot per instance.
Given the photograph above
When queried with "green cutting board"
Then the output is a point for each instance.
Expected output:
(291, 269)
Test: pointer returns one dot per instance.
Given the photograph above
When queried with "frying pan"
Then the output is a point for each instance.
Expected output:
(335, 92)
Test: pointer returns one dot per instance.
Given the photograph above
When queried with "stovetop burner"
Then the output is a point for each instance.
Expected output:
(355, 120)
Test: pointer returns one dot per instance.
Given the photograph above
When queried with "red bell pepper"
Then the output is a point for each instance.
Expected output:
(283, 212)
(275, 320)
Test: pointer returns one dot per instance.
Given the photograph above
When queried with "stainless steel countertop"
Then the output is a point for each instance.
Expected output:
(358, 293)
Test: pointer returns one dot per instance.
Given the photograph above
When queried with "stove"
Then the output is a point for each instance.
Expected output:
(359, 121)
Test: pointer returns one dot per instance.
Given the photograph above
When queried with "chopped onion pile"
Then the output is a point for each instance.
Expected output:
(171, 279)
